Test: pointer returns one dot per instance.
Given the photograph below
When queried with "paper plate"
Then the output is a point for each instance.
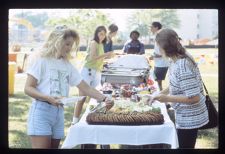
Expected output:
(69, 101)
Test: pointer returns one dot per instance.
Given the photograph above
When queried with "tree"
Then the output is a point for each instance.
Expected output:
(83, 20)
(140, 20)
(169, 18)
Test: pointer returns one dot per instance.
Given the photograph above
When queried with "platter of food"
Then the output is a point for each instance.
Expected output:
(127, 112)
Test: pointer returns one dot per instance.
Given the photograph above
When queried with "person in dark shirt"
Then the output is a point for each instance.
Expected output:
(113, 29)
(134, 46)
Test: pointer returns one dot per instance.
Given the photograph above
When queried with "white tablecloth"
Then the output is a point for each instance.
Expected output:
(83, 133)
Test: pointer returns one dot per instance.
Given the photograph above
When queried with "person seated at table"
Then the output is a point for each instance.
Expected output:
(134, 46)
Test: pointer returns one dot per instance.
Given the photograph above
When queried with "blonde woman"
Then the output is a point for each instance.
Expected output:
(91, 71)
(48, 80)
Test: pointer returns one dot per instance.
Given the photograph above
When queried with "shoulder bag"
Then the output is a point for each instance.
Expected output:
(213, 114)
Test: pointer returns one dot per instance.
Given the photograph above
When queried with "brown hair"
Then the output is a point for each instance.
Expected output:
(99, 29)
(169, 41)
(113, 28)
(73, 34)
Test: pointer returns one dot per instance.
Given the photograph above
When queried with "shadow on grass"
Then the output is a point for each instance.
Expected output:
(20, 95)
(18, 109)
(18, 104)
(17, 120)
(20, 139)
(68, 114)
(209, 132)
(210, 135)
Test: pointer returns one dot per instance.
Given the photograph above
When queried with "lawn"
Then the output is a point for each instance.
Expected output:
(19, 103)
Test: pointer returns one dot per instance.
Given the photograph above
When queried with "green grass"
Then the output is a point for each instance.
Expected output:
(19, 105)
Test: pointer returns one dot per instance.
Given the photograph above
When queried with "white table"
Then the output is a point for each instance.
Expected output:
(83, 133)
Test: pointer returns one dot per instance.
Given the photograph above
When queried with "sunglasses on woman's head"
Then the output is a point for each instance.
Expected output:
(59, 28)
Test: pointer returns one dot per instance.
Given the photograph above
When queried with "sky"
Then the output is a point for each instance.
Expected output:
(188, 19)
(118, 15)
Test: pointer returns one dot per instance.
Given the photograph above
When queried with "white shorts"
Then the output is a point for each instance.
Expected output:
(91, 76)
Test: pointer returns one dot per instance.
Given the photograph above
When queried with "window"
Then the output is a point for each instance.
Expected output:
(198, 26)
(197, 36)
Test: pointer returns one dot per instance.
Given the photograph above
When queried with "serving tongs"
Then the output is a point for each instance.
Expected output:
(99, 108)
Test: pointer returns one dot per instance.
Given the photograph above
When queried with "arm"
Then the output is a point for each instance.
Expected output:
(165, 91)
(89, 91)
(142, 49)
(175, 99)
(30, 89)
(155, 55)
(155, 96)
(93, 52)
(125, 49)
(107, 55)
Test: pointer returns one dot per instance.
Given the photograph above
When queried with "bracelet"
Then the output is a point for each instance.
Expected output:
(102, 100)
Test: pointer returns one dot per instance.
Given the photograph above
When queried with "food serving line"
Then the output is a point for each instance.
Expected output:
(117, 74)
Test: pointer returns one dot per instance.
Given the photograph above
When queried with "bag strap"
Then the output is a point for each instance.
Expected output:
(206, 91)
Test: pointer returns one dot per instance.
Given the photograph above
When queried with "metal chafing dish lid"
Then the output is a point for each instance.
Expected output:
(124, 72)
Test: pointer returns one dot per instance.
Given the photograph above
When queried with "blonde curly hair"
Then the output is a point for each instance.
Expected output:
(56, 39)
(54, 43)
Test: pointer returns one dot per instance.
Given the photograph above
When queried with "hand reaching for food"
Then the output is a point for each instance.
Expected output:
(150, 100)
(109, 103)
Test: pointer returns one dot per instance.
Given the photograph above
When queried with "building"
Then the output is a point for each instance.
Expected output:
(198, 23)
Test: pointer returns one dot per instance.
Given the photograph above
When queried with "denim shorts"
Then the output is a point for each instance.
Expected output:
(45, 119)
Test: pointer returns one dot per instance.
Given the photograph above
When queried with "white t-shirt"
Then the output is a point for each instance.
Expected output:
(161, 61)
(54, 76)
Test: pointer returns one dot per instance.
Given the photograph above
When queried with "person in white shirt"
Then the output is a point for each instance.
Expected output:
(161, 63)
(48, 80)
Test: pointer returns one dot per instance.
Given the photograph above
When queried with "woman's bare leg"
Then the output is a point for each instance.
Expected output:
(40, 142)
(55, 143)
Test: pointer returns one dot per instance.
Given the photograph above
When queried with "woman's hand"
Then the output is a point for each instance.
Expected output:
(159, 97)
(109, 103)
(54, 101)
(109, 54)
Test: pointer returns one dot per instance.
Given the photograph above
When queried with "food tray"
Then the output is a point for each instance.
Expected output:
(135, 118)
